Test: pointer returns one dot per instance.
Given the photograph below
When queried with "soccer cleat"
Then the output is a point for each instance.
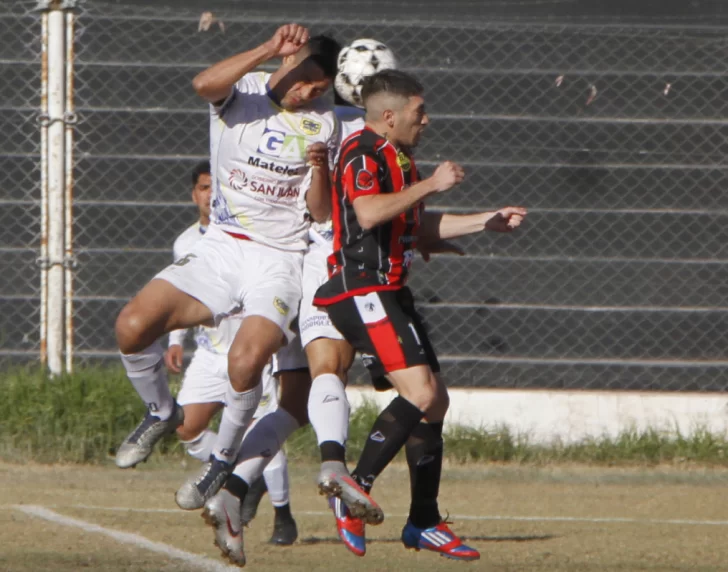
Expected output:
(222, 513)
(335, 481)
(252, 500)
(285, 532)
(204, 485)
(137, 447)
(350, 529)
(438, 539)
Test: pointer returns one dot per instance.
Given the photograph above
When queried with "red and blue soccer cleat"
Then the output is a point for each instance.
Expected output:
(438, 539)
(350, 529)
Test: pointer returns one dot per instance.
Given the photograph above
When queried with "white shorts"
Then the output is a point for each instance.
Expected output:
(290, 357)
(228, 274)
(312, 322)
(206, 381)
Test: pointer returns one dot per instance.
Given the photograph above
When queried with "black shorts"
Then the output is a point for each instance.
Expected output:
(386, 329)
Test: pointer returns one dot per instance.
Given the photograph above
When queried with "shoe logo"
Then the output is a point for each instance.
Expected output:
(153, 407)
(230, 528)
(378, 437)
(424, 460)
(330, 399)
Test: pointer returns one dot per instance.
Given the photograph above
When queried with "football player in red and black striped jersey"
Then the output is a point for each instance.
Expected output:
(379, 216)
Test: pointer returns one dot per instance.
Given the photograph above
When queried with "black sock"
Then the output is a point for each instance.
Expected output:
(388, 435)
(332, 451)
(283, 512)
(236, 486)
(424, 457)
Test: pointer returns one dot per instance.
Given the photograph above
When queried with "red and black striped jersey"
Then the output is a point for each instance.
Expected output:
(367, 260)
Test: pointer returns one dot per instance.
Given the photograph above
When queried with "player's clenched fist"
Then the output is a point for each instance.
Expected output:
(506, 220)
(447, 175)
(288, 39)
(317, 155)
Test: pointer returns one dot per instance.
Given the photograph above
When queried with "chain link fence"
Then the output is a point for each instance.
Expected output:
(20, 69)
(612, 132)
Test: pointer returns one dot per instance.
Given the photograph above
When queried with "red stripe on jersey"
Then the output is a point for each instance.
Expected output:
(386, 345)
(399, 224)
(323, 302)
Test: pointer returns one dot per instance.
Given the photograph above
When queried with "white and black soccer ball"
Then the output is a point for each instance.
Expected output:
(357, 61)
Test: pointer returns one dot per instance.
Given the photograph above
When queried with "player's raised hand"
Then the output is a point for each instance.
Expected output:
(173, 358)
(317, 155)
(506, 220)
(447, 175)
(288, 39)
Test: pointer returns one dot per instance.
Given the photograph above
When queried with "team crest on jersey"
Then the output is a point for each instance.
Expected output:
(310, 127)
(237, 180)
(264, 400)
(364, 180)
(404, 162)
(281, 306)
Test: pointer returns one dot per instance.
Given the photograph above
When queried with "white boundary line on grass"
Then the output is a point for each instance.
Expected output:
(200, 562)
(595, 520)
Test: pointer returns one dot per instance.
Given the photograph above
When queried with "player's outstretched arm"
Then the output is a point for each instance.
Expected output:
(376, 208)
(439, 226)
(214, 84)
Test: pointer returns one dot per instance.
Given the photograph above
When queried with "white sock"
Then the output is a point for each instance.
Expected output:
(237, 415)
(148, 375)
(328, 409)
(201, 446)
(276, 479)
(262, 444)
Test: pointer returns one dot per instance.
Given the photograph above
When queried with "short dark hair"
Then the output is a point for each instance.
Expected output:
(391, 81)
(324, 52)
(202, 168)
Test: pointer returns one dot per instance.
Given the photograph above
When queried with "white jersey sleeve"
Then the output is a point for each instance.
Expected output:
(258, 162)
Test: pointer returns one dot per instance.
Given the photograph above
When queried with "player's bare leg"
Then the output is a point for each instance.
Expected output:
(194, 433)
(158, 309)
(256, 341)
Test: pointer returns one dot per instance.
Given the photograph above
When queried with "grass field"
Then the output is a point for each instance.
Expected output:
(567, 518)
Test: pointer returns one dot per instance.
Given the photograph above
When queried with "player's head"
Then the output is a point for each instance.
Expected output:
(202, 188)
(308, 73)
(395, 104)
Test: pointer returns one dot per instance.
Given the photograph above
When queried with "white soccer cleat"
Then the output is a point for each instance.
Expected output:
(200, 488)
(222, 513)
(335, 481)
(139, 444)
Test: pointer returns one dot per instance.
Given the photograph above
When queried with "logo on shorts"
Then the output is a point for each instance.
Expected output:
(364, 180)
(185, 260)
(404, 162)
(237, 180)
(281, 306)
(330, 399)
(378, 437)
(368, 359)
(369, 306)
(310, 127)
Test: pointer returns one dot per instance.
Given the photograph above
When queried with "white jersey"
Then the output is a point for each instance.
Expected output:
(215, 340)
(259, 170)
(351, 120)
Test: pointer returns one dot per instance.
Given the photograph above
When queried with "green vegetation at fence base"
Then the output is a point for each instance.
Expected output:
(81, 418)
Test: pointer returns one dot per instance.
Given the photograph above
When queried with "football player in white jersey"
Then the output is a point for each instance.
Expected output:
(272, 131)
(205, 382)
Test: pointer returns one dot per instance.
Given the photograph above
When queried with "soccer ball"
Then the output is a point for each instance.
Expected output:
(357, 61)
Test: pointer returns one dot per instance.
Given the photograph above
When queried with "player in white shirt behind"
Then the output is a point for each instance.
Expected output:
(206, 379)
(272, 137)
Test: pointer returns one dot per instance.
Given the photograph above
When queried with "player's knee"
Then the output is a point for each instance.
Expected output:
(245, 366)
(131, 328)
